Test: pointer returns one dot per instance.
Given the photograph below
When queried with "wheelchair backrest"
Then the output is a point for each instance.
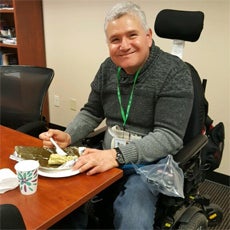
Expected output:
(186, 26)
(199, 110)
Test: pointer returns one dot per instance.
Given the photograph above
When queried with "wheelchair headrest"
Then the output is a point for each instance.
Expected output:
(179, 25)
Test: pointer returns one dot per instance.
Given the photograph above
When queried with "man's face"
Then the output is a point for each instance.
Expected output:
(128, 43)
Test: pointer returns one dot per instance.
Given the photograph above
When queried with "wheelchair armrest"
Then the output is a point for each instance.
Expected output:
(191, 149)
(94, 139)
(97, 132)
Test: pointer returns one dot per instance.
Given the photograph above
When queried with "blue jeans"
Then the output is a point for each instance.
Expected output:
(135, 206)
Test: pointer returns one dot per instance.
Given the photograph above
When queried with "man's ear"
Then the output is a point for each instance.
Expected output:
(149, 36)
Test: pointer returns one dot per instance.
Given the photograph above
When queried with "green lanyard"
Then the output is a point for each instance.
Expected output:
(123, 114)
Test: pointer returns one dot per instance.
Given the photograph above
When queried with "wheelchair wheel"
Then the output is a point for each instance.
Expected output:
(197, 222)
(214, 214)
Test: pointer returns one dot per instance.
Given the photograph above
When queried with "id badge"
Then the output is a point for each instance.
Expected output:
(119, 141)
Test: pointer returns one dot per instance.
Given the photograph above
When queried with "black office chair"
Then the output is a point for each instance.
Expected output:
(23, 91)
(11, 218)
(194, 211)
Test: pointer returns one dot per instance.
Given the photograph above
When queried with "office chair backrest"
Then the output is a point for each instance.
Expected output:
(23, 90)
(186, 26)
(11, 218)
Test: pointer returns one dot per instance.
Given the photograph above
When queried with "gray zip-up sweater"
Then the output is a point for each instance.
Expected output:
(160, 109)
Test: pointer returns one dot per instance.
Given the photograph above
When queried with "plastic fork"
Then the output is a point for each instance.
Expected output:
(58, 149)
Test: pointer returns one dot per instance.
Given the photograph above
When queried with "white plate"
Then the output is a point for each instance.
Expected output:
(58, 174)
(50, 172)
(16, 158)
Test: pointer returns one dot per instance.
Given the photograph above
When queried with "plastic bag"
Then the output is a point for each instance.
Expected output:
(165, 176)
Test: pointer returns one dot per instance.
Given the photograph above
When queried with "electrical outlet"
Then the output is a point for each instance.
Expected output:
(73, 104)
(56, 101)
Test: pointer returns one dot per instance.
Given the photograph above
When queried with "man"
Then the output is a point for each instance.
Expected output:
(146, 97)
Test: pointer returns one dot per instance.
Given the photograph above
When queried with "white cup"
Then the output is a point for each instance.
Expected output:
(27, 172)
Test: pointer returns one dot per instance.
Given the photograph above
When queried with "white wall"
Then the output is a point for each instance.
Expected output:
(75, 47)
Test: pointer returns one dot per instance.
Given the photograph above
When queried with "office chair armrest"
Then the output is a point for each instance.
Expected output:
(191, 149)
(33, 128)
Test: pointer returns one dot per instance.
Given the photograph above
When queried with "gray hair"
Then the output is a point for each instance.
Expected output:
(124, 8)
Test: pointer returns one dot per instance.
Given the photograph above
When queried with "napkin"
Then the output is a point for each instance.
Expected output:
(8, 180)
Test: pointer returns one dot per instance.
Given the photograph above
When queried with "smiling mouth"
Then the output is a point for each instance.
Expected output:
(126, 54)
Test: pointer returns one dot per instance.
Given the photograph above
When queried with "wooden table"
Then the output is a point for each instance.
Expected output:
(55, 197)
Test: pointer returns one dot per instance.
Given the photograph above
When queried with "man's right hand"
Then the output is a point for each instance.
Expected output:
(63, 139)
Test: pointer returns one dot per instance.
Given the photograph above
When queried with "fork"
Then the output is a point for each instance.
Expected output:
(58, 149)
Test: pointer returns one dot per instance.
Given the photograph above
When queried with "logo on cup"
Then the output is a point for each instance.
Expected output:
(28, 180)
(27, 172)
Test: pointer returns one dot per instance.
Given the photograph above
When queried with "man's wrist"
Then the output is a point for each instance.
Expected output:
(68, 139)
(119, 157)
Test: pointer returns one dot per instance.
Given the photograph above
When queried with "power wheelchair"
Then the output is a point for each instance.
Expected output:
(194, 211)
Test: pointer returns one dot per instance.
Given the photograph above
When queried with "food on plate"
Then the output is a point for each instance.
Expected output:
(43, 155)
(56, 159)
